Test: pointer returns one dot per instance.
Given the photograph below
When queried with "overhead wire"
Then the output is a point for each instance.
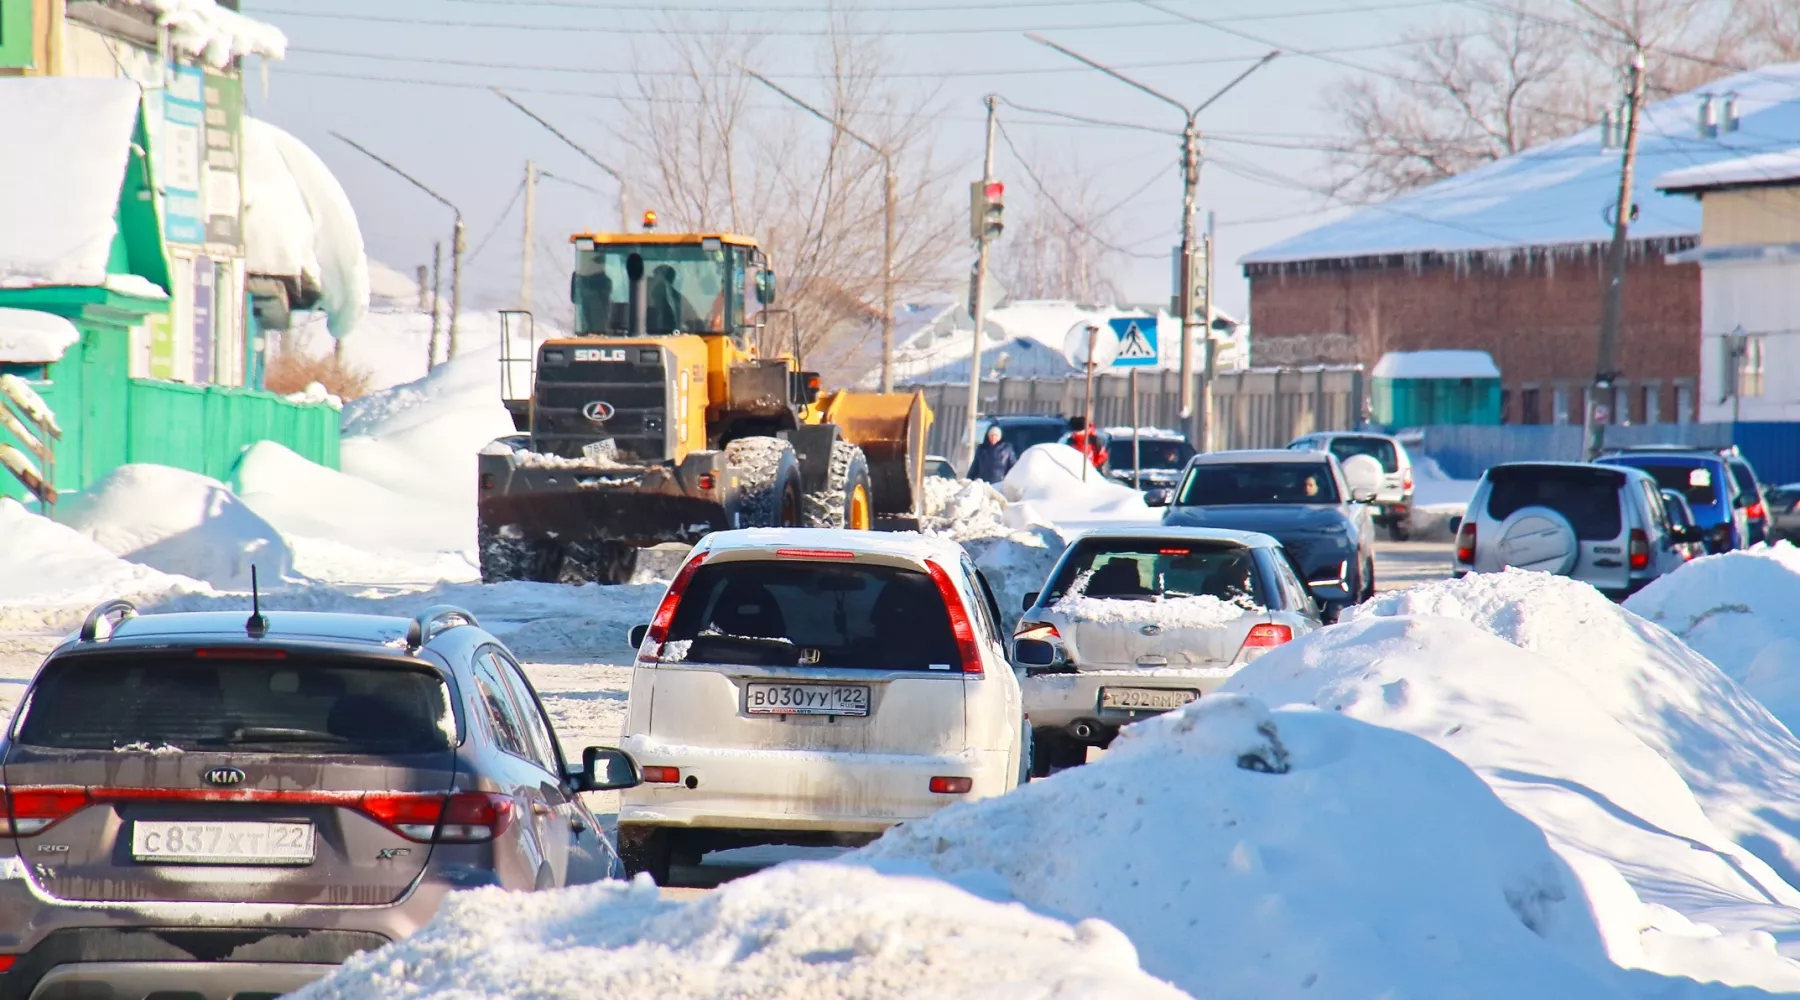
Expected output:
(498, 222)
(1044, 191)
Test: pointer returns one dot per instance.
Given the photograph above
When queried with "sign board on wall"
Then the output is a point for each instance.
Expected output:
(204, 286)
(183, 155)
(15, 34)
(160, 330)
(224, 98)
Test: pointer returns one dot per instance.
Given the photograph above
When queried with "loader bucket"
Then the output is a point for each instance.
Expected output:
(890, 429)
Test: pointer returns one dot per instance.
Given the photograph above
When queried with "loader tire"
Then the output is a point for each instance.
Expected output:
(768, 475)
(845, 500)
(550, 561)
(503, 558)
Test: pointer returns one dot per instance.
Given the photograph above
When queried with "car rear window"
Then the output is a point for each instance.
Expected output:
(1694, 480)
(1587, 496)
(1148, 567)
(1157, 453)
(1745, 478)
(1258, 482)
(1380, 449)
(297, 704)
(812, 614)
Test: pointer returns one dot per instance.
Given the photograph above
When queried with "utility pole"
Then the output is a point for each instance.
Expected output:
(1210, 360)
(1198, 420)
(531, 178)
(980, 316)
(458, 244)
(437, 287)
(624, 216)
(1606, 371)
(891, 198)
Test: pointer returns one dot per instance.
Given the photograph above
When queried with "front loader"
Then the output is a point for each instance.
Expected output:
(659, 421)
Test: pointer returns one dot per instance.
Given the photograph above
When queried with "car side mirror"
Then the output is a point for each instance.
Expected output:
(1030, 599)
(1034, 653)
(1158, 497)
(1362, 495)
(606, 769)
(765, 288)
(637, 634)
(1686, 533)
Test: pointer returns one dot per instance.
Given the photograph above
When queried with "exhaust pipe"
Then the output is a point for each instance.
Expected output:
(1085, 730)
(640, 299)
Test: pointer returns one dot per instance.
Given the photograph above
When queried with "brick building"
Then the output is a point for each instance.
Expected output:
(1509, 259)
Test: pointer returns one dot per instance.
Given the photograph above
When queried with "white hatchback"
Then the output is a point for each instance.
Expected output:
(804, 686)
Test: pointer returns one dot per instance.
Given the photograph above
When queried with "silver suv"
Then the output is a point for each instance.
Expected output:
(213, 808)
(1602, 524)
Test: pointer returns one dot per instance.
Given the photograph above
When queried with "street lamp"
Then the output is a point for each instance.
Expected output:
(887, 243)
(1190, 183)
(624, 215)
(458, 243)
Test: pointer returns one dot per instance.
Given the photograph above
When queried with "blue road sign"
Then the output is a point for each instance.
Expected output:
(1137, 341)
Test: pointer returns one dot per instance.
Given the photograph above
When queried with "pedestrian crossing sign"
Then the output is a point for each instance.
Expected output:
(1137, 341)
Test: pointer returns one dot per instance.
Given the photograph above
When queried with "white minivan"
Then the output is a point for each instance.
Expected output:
(814, 687)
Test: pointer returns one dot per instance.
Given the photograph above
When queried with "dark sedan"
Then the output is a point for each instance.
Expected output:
(1301, 498)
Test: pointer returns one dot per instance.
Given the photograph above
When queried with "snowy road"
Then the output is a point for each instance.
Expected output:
(1399, 565)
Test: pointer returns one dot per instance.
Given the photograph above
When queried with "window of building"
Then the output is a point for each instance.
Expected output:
(1560, 405)
(1652, 395)
(1750, 365)
(1528, 406)
(30, 373)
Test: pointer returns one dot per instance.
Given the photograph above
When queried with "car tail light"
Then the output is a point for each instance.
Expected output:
(1465, 544)
(960, 623)
(6, 962)
(1036, 630)
(1407, 481)
(660, 775)
(412, 816)
(665, 612)
(1263, 638)
(1640, 549)
(708, 480)
(475, 816)
(34, 810)
(1755, 511)
(952, 786)
(826, 555)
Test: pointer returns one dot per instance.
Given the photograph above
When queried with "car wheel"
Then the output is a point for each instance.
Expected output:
(1053, 750)
(1368, 581)
(645, 850)
(1400, 529)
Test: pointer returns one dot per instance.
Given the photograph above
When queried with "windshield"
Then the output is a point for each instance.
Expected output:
(813, 614)
(1159, 453)
(1588, 497)
(1694, 482)
(1676, 505)
(1257, 483)
(1380, 449)
(688, 287)
(1148, 568)
(296, 704)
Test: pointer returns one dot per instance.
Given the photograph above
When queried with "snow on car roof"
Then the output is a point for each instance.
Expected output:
(905, 544)
(1436, 364)
(1252, 539)
(1551, 195)
(1155, 433)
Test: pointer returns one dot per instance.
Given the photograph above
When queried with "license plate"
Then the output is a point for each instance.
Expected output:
(1145, 699)
(171, 843)
(807, 699)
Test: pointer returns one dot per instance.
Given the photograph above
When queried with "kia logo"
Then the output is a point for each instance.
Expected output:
(224, 776)
(598, 411)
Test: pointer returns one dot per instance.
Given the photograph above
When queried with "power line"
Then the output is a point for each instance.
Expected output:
(497, 223)
(1060, 210)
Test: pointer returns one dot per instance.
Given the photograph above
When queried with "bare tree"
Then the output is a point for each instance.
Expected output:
(709, 153)
(1061, 245)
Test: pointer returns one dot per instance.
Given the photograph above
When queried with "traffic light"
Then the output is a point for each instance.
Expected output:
(985, 210)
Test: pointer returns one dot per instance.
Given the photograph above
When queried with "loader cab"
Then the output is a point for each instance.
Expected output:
(705, 284)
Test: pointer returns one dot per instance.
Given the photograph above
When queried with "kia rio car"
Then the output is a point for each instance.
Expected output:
(204, 806)
(807, 686)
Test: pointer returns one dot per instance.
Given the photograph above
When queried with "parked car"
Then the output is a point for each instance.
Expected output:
(1299, 497)
(1136, 621)
(939, 467)
(1603, 524)
(1160, 454)
(1681, 515)
(204, 806)
(1394, 497)
(1710, 481)
(1022, 431)
(810, 686)
(1783, 505)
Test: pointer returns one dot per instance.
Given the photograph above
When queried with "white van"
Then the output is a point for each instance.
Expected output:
(810, 686)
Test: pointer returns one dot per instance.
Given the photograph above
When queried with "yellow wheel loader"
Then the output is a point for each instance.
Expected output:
(659, 421)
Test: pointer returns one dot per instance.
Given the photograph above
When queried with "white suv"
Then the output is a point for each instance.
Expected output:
(1602, 524)
(1394, 497)
(805, 686)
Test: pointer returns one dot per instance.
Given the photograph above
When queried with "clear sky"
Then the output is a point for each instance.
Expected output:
(409, 79)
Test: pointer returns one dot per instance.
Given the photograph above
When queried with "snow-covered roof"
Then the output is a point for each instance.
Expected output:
(1436, 364)
(1558, 194)
(1764, 168)
(299, 223)
(28, 336)
(62, 163)
(213, 34)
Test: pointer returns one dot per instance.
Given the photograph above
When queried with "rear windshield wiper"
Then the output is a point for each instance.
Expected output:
(276, 734)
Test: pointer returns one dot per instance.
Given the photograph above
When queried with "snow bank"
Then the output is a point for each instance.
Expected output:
(420, 439)
(48, 571)
(179, 522)
(33, 337)
(299, 222)
(1742, 765)
(1741, 610)
(1287, 854)
(806, 930)
(1672, 893)
(1048, 477)
(1012, 544)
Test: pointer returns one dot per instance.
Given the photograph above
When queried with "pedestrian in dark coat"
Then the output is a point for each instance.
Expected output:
(994, 458)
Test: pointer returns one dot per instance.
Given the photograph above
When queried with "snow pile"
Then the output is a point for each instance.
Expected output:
(1286, 854)
(806, 930)
(1013, 545)
(315, 392)
(1742, 765)
(1740, 610)
(1049, 478)
(299, 223)
(32, 337)
(963, 508)
(67, 141)
(1197, 611)
(181, 523)
(421, 439)
(208, 31)
(1671, 892)
(1437, 499)
(47, 569)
